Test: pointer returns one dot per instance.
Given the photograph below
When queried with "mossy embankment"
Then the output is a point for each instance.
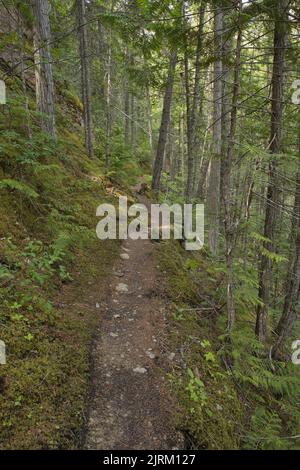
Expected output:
(229, 393)
(52, 273)
(210, 408)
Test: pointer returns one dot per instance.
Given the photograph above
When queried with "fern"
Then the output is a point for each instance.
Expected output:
(23, 188)
(265, 429)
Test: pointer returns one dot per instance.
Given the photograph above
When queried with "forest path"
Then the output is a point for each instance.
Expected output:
(130, 406)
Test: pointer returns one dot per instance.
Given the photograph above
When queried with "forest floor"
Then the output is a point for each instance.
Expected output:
(130, 405)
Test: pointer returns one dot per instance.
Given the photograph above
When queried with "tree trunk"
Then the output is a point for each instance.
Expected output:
(101, 51)
(275, 146)
(150, 124)
(132, 119)
(206, 153)
(192, 115)
(289, 313)
(229, 223)
(127, 101)
(85, 78)
(190, 161)
(162, 138)
(45, 95)
(108, 105)
(213, 195)
(126, 117)
(23, 76)
(181, 145)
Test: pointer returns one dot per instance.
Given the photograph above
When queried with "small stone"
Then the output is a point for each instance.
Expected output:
(122, 287)
(140, 370)
(125, 249)
(118, 274)
(219, 407)
(97, 305)
(124, 256)
(117, 316)
(171, 356)
(114, 335)
(150, 354)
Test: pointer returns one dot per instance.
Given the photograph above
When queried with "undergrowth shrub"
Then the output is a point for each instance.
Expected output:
(229, 398)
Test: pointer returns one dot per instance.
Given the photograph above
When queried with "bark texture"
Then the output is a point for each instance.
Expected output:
(226, 196)
(165, 119)
(45, 96)
(192, 114)
(275, 145)
(213, 193)
(292, 296)
(85, 78)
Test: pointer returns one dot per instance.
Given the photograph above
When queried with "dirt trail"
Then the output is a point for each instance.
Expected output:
(130, 407)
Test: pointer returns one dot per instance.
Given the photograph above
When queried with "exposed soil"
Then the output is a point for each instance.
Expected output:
(130, 405)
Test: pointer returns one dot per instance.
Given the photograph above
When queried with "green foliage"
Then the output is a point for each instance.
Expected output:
(210, 357)
(264, 432)
(42, 262)
(191, 264)
(267, 391)
(210, 409)
(124, 165)
(230, 392)
(49, 192)
(196, 388)
(22, 188)
(72, 98)
(246, 291)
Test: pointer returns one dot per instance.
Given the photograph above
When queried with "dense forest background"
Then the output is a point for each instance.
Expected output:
(198, 99)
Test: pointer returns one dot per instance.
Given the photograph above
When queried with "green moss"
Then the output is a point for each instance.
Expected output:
(210, 419)
(228, 394)
(72, 98)
(211, 411)
(48, 337)
(53, 270)
(44, 384)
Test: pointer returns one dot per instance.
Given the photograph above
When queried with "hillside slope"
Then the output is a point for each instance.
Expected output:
(50, 261)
